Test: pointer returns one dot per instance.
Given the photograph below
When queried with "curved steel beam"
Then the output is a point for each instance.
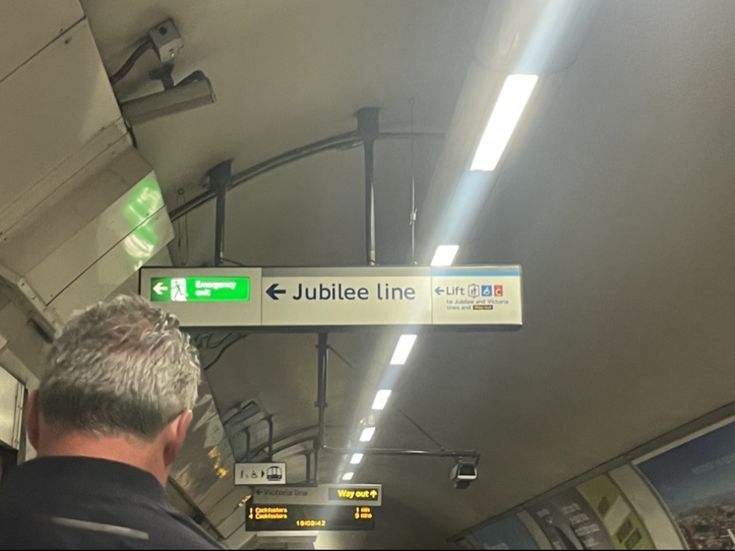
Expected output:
(347, 140)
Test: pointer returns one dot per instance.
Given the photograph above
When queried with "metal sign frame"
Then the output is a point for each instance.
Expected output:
(256, 315)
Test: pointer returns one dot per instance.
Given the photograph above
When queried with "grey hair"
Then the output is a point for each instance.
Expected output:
(120, 366)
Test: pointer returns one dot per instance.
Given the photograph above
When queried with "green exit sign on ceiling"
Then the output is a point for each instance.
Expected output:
(200, 289)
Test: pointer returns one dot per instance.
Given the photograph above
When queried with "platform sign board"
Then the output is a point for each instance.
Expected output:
(280, 298)
(279, 517)
(205, 296)
(323, 494)
(346, 296)
(477, 295)
(252, 474)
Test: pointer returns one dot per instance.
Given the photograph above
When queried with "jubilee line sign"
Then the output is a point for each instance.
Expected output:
(323, 297)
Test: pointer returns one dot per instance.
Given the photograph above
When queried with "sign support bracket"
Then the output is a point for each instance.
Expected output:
(322, 362)
(368, 129)
(219, 180)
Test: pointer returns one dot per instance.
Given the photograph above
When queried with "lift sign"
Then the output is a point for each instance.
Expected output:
(200, 289)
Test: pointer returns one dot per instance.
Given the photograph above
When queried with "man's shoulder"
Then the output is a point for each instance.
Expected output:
(41, 508)
(92, 525)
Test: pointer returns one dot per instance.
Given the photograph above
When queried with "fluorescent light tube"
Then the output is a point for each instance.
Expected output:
(367, 434)
(507, 111)
(444, 255)
(356, 459)
(348, 476)
(381, 398)
(403, 349)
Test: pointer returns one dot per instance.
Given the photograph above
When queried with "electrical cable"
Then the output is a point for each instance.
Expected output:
(131, 61)
(220, 343)
(222, 351)
(200, 340)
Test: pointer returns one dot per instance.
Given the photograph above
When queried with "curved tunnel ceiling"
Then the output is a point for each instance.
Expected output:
(614, 196)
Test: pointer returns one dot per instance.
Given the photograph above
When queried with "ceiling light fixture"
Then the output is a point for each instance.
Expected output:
(381, 398)
(367, 434)
(348, 476)
(403, 349)
(356, 458)
(444, 255)
(505, 116)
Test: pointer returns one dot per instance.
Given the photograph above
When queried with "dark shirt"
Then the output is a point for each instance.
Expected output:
(86, 503)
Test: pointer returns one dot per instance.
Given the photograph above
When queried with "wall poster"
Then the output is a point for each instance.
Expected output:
(696, 481)
(507, 533)
(594, 515)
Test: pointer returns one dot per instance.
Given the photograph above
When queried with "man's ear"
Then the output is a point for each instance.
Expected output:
(33, 418)
(176, 431)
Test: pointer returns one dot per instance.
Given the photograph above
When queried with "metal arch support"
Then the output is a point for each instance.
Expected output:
(347, 140)
(367, 132)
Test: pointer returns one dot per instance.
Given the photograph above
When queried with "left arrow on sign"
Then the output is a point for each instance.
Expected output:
(273, 291)
(159, 288)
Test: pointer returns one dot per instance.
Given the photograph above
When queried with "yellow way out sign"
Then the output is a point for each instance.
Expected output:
(351, 493)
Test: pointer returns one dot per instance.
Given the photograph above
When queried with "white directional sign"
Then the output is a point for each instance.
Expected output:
(346, 296)
(256, 474)
(330, 297)
(477, 295)
(324, 494)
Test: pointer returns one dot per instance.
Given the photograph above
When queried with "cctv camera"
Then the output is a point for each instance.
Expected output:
(194, 91)
(463, 473)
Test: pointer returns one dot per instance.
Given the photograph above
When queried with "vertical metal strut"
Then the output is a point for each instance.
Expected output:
(321, 396)
(368, 130)
(219, 179)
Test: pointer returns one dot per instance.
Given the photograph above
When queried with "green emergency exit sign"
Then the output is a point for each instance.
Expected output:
(200, 289)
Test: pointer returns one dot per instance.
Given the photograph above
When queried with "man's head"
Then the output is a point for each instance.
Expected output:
(120, 374)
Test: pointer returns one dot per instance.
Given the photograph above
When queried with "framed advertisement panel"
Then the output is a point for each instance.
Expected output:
(592, 515)
(695, 479)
